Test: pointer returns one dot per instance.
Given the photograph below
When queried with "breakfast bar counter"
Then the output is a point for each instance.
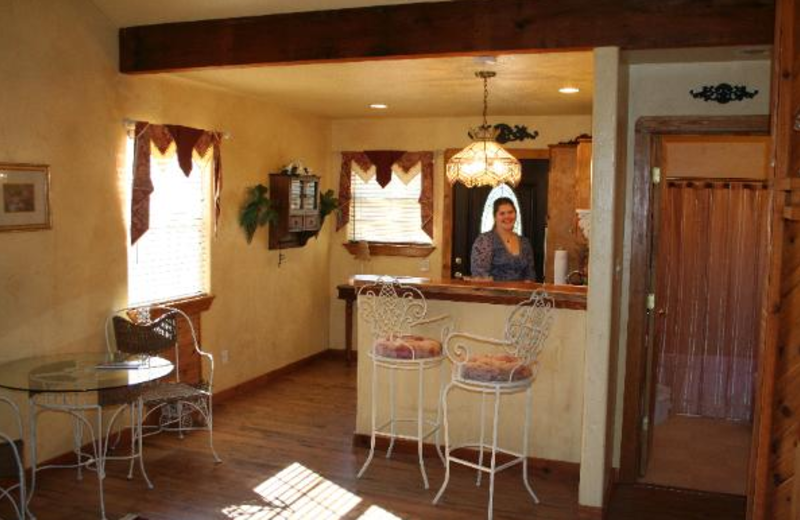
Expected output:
(482, 307)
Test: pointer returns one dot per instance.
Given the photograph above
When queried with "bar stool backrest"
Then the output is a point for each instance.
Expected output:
(390, 307)
(529, 325)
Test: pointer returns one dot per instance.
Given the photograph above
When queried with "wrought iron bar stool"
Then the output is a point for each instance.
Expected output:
(393, 310)
(510, 371)
(11, 462)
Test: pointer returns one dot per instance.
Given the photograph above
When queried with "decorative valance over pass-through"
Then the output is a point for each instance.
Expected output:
(384, 161)
(187, 140)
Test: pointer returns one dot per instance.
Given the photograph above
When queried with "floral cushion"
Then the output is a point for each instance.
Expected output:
(495, 368)
(408, 346)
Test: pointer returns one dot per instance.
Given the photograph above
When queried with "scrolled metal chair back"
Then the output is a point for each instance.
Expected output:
(390, 307)
(529, 325)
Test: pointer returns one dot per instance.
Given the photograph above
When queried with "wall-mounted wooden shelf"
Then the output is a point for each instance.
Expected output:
(296, 199)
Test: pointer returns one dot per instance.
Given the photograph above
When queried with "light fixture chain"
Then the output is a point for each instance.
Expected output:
(485, 99)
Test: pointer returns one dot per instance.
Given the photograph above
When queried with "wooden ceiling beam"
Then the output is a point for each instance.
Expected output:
(444, 28)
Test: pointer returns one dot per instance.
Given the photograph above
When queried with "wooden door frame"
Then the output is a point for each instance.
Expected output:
(447, 199)
(648, 129)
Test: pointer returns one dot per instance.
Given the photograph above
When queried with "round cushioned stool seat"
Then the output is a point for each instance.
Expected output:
(495, 368)
(408, 346)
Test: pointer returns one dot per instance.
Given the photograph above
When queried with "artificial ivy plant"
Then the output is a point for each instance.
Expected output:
(257, 211)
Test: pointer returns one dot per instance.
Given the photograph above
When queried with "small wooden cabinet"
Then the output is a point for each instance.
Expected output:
(569, 189)
(296, 199)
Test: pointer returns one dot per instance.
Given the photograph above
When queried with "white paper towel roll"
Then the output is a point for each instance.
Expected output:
(560, 267)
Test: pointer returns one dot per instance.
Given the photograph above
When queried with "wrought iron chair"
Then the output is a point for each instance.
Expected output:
(152, 331)
(393, 310)
(11, 463)
(512, 370)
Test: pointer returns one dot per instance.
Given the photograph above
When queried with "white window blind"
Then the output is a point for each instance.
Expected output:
(390, 214)
(171, 260)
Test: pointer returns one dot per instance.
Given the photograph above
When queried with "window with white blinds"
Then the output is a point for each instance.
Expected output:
(171, 260)
(390, 214)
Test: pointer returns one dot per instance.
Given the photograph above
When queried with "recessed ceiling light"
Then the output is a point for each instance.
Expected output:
(569, 90)
(485, 60)
(379, 106)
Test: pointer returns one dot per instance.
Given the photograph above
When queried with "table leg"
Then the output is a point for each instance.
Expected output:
(32, 413)
(76, 410)
(348, 331)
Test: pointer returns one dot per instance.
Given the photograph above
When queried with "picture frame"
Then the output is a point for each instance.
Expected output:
(24, 197)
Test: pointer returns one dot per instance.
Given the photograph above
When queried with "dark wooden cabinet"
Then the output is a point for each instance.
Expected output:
(296, 199)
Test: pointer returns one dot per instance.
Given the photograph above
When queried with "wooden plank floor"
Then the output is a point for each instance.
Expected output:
(640, 502)
(288, 453)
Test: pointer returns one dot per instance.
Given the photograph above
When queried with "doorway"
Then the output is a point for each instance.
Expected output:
(471, 211)
(697, 272)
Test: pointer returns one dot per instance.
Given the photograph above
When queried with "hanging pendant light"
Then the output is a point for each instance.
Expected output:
(484, 162)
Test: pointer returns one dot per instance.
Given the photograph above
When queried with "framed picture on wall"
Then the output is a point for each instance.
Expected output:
(24, 197)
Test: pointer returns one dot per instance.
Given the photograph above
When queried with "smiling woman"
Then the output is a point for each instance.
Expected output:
(500, 253)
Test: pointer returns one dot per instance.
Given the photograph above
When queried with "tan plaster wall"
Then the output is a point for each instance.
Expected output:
(600, 302)
(662, 89)
(436, 134)
(557, 392)
(62, 103)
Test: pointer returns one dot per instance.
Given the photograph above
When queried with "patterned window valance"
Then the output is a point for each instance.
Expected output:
(187, 140)
(384, 161)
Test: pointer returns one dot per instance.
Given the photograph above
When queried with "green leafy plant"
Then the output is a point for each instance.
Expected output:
(257, 211)
(328, 203)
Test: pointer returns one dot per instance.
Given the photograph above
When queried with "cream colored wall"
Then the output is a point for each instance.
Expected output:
(662, 89)
(62, 103)
(436, 134)
(600, 301)
(265, 316)
(557, 392)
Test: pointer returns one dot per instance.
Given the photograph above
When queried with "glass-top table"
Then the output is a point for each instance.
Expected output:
(66, 383)
(82, 372)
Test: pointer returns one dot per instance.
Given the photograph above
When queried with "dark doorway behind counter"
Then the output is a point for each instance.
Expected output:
(468, 208)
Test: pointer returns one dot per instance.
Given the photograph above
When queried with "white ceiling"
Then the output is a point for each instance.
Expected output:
(526, 84)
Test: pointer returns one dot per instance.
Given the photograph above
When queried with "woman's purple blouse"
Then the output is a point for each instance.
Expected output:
(491, 258)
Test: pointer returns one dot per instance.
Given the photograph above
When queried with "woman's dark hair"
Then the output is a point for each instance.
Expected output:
(502, 201)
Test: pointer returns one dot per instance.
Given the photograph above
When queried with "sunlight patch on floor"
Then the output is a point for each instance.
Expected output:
(297, 492)
(377, 513)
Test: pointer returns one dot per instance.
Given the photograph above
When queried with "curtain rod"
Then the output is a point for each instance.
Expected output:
(130, 126)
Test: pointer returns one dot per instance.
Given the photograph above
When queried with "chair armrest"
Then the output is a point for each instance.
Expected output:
(197, 348)
(459, 353)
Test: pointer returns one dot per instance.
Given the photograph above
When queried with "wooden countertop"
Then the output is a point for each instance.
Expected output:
(501, 293)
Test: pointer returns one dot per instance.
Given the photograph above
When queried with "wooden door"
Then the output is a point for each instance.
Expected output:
(649, 133)
(773, 476)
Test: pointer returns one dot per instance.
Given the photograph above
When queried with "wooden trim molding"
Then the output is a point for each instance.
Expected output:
(570, 470)
(389, 249)
(259, 381)
(647, 131)
(469, 27)
(193, 305)
(497, 293)
(590, 512)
